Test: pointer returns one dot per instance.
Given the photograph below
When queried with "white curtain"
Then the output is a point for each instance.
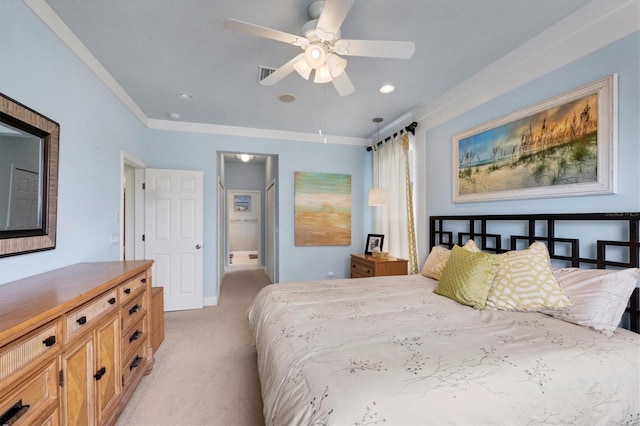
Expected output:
(395, 220)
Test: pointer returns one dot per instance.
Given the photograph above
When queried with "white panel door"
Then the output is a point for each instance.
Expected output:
(173, 235)
(24, 204)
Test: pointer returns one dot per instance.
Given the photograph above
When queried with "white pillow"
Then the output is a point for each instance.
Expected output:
(437, 259)
(599, 296)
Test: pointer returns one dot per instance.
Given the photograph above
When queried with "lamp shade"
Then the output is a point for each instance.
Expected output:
(322, 75)
(303, 68)
(377, 197)
(315, 55)
(336, 64)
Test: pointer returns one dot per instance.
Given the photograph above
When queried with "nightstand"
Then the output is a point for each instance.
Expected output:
(364, 265)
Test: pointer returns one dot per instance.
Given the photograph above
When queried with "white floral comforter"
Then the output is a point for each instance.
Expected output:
(389, 351)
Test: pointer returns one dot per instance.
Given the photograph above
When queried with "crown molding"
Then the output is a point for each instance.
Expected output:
(44, 12)
(182, 126)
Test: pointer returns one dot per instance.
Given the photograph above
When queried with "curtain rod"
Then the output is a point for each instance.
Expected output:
(410, 128)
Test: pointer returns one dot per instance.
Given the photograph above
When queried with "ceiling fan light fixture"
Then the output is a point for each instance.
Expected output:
(322, 75)
(315, 55)
(336, 64)
(302, 68)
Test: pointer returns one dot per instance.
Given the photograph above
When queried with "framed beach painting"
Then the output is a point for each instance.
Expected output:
(322, 209)
(564, 146)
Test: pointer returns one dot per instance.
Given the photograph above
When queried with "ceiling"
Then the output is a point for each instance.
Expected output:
(156, 49)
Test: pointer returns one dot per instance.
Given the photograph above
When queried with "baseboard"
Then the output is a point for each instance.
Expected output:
(211, 301)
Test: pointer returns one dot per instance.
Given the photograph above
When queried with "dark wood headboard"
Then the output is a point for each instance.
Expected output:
(485, 231)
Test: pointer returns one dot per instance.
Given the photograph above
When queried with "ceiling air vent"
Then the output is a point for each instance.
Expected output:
(264, 72)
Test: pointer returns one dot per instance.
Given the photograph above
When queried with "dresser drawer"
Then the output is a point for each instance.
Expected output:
(133, 337)
(133, 365)
(39, 343)
(38, 397)
(132, 287)
(134, 311)
(83, 318)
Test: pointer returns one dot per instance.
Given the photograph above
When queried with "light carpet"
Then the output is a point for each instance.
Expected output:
(205, 371)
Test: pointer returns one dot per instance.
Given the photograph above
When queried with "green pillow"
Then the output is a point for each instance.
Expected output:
(467, 277)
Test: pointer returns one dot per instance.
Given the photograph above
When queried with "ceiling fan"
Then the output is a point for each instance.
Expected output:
(323, 47)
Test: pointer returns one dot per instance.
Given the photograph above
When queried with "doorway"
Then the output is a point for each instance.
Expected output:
(257, 173)
(244, 211)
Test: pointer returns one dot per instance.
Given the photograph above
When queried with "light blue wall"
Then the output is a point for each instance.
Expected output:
(40, 72)
(167, 150)
(96, 127)
(620, 57)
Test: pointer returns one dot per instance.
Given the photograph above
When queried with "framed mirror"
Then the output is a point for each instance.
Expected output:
(29, 145)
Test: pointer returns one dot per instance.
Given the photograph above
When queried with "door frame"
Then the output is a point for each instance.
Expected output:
(271, 225)
(138, 225)
(223, 256)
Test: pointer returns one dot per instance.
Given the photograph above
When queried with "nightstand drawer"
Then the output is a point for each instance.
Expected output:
(363, 266)
(361, 269)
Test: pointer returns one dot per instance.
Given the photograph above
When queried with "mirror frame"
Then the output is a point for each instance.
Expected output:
(19, 116)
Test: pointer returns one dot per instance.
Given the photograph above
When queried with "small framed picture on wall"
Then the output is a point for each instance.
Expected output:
(374, 241)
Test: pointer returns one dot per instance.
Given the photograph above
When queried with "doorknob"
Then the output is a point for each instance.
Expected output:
(198, 246)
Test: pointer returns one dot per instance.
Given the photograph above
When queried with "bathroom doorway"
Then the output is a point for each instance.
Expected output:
(244, 211)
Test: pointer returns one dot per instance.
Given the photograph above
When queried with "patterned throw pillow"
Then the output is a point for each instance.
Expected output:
(437, 259)
(467, 277)
(599, 296)
(524, 282)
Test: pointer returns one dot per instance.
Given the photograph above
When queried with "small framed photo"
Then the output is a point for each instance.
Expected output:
(373, 241)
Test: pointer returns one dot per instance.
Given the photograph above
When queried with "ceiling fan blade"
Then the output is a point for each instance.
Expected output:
(343, 84)
(333, 14)
(260, 31)
(281, 72)
(375, 48)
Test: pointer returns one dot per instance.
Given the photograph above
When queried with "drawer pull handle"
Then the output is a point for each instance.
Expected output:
(112, 301)
(135, 308)
(135, 336)
(100, 373)
(13, 413)
(135, 362)
(353, 266)
(143, 280)
(49, 341)
(368, 271)
(127, 290)
(82, 320)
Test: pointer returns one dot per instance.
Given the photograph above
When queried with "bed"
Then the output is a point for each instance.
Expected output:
(389, 350)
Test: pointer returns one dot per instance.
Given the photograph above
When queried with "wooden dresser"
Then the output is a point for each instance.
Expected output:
(364, 265)
(74, 343)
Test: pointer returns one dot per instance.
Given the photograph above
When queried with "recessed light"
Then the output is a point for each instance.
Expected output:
(287, 98)
(174, 116)
(245, 157)
(387, 88)
(185, 96)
